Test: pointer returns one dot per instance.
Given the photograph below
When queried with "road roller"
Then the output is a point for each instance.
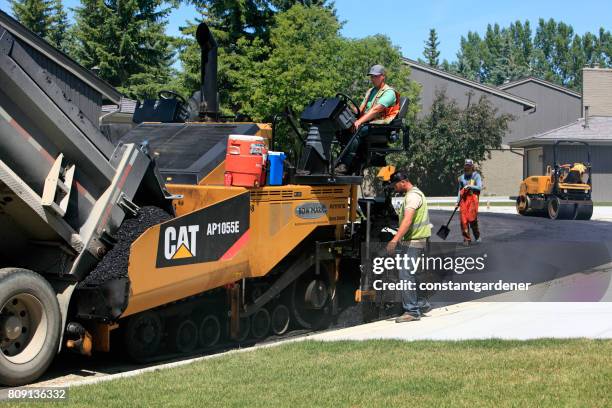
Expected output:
(175, 237)
(563, 193)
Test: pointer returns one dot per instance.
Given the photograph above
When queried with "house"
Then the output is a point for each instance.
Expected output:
(536, 106)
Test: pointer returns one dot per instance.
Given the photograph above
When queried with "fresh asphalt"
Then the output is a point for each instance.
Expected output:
(496, 227)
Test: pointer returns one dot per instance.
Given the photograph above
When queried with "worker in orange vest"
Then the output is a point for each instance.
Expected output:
(470, 184)
(380, 106)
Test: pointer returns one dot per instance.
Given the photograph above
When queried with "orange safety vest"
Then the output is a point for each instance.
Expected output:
(389, 113)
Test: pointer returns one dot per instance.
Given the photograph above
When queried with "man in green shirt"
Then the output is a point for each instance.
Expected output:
(379, 106)
(410, 240)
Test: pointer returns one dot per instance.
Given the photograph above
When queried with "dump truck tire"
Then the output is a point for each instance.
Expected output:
(30, 326)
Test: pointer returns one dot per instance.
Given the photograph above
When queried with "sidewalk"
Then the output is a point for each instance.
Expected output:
(503, 320)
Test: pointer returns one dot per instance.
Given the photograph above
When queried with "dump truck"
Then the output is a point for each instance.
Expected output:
(65, 191)
(138, 243)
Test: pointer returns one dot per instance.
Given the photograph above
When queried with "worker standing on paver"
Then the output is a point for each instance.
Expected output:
(411, 239)
(470, 184)
(380, 105)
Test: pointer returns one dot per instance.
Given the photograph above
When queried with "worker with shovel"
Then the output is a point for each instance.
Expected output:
(470, 184)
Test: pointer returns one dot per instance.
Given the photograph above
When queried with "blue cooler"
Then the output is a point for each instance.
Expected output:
(276, 163)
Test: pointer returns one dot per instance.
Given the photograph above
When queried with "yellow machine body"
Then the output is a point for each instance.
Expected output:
(564, 193)
(275, 229)
(544, 184)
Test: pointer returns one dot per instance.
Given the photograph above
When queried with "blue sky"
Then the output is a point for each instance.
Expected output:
(407, 23)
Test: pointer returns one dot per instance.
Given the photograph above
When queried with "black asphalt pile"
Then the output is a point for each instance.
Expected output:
(115, 262)
(350, 316)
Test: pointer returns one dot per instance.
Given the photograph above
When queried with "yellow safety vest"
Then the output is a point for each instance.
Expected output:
(420, 227)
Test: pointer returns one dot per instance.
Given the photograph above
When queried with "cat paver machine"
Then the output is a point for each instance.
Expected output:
(139, 245)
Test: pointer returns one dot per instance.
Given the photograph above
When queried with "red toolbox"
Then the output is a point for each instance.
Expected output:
(245, 161)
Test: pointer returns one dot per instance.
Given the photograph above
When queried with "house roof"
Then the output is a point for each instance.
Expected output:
(527, 104)
(598, 131)
(34, 41)
(542, 82)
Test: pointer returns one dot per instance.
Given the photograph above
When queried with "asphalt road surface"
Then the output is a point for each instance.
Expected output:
(497, 227)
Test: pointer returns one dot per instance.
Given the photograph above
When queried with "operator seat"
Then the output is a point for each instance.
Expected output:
(375, 143)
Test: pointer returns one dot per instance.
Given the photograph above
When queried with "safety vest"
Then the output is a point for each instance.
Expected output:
(420, 227)
(389, 113)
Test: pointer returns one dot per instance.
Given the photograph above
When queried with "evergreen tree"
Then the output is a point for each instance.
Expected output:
(46, 18)
(58, 32)
(554, 53)
(126, 41)
(34, 14)
(431, 52)
(470, 57)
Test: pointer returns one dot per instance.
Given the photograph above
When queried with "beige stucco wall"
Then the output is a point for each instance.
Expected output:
(597, 91)
(502, 173)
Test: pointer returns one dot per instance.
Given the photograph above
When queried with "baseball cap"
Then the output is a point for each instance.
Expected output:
(398, 176)
(469, 162)
(377, 70)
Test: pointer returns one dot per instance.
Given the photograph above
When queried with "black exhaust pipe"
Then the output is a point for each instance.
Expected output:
(209, 103)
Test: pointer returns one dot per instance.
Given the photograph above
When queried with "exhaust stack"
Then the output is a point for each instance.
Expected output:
(209, 102)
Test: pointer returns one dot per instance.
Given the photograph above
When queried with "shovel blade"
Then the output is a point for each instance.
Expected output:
(443, 232)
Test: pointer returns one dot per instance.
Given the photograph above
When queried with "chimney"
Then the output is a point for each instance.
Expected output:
(597, 91)
(209, 102)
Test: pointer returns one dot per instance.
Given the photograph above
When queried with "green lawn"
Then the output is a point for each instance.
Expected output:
(543, 373)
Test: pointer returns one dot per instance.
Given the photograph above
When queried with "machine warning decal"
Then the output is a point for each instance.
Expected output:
(311, 211)
(213, 233)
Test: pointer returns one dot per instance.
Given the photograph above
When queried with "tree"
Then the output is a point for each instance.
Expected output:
(237, 26)
(470, 57)
(307, 58)
(46, 18)
(554, 53)
(127, 43)
(442, 140)
(431, 52)
(58, 32)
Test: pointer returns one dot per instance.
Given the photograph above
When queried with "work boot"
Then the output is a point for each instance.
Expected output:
(341, 169)
(407, 317)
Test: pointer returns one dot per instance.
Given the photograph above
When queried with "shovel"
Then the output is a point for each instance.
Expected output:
(444, 230)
